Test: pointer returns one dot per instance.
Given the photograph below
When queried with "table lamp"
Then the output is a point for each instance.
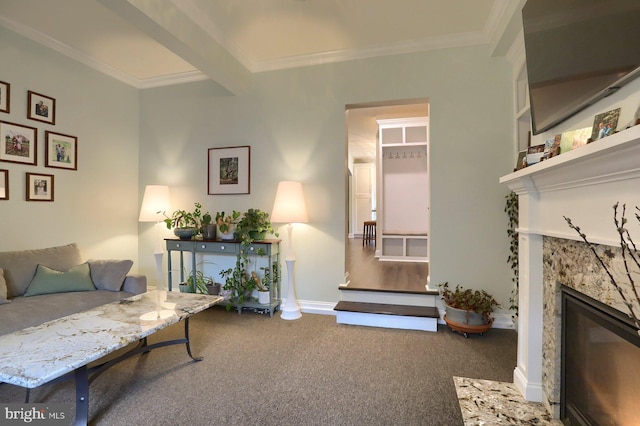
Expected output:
(289, 208)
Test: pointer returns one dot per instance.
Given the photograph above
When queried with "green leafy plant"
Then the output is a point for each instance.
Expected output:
(252, 223)
(224, 222)
(185, 219)
(199, 283)
(238, 281)
(511, 208)
(478, 301)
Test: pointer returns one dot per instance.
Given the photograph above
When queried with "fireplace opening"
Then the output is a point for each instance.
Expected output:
(600, 355)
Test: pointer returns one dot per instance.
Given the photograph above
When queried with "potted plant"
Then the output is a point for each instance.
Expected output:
(466, 310)
(254, 225)
(197, 284)
(226, 224)
(185, 224)
(238, 283)
(208, 229)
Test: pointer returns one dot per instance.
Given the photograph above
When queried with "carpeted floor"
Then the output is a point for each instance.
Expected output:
(312, 371)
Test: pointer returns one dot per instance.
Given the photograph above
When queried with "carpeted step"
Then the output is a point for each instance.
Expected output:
(423, 318)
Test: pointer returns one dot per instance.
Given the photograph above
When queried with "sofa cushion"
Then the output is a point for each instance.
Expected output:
(49, 280)
(20, 266)
(3, 288)
(109, 274)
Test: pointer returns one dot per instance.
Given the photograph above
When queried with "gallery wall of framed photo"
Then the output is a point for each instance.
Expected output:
(23, 134)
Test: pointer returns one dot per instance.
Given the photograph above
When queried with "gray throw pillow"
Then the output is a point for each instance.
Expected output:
(49, 280)
(109, 274)
(3, 288)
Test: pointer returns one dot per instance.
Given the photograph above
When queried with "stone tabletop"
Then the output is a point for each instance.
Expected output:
(36, 355)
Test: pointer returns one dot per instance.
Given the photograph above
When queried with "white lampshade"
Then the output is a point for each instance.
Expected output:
(154, 203)
(289, 206)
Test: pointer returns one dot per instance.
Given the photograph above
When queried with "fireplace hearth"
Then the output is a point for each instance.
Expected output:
(600, 380)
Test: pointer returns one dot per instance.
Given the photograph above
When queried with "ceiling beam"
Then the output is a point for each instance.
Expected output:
(168, 25)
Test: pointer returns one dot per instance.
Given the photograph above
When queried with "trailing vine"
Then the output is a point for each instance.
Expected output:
(511, 208)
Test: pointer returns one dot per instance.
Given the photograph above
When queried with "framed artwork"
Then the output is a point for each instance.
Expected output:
(4, 184)
(61, 151)
(41, 108)
(18, 143)
(5, 97)
(39, 187)
(521, 161)
(605, 124)
(229, 170)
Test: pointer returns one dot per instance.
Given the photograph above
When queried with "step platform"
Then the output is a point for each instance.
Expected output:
(424, 318)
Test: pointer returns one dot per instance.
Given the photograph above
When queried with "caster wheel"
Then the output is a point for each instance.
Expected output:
(466, 335)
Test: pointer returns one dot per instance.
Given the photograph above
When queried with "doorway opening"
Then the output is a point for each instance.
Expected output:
(367, 265)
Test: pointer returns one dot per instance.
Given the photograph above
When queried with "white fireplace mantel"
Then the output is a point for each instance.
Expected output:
(583, 185)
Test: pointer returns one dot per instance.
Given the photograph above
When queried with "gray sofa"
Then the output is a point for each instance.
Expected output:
(41, 285)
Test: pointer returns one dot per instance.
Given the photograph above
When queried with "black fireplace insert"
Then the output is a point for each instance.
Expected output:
(600, 377)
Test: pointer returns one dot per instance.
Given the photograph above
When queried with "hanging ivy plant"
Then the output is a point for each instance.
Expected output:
(511, 208)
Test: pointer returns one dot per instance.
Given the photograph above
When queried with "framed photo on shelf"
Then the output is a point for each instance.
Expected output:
(605, 124)
(41, 108)
(4, 184)
(18, 143)
(5, 97)
(39, 187)
(521, 161)
(229, 170)
(61, 151)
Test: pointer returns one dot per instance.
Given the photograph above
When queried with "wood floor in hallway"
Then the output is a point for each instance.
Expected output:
(368, 273)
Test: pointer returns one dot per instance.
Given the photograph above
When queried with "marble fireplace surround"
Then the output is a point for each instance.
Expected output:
(583, 185)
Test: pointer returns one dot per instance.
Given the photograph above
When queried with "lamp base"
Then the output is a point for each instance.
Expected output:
(291, 309)
(291, 313)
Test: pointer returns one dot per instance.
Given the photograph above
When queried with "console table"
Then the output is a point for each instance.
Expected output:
(267, 249)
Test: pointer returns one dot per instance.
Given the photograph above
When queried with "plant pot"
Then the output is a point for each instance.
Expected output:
(467, 329)
(185, 233)
(209, 232)
(229, 235)
(257, 236)
(460, 316)
(185, 288)
(264, 297)
(214, 289)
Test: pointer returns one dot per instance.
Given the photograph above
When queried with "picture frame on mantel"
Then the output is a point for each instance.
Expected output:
(39, 187)
(18, 143)
(229, 170)
(61, 151)
(4, 184)
(5, 97)
(41, 108)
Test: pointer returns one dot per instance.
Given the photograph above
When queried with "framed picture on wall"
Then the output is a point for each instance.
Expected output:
(39, 187)
(229, 170)
(5, 97)
(61, 151)
(41, 108)
(4, 184)
(18, 143)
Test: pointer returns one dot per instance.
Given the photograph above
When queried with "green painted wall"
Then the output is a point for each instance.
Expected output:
(294, 122)
(97, 205)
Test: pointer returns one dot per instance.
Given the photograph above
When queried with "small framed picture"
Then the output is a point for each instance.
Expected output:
(41, 108)
(61, 151)
(18, 143)
(605, 124)
(5, 97)
(229, 170)
(4, 184)
(39, 187)
(521, 162)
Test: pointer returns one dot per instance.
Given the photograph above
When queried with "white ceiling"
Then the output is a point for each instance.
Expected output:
(149, 43)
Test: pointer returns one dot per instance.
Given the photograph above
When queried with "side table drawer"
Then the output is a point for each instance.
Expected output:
(180, 245)
(215, 247)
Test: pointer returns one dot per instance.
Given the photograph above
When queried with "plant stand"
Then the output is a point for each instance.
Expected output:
(465, 329)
